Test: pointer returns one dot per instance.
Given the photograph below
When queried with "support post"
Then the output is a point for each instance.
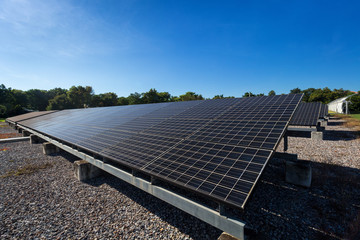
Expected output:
(49, 148)
(154, 181)
(34, 139)
(286, 141)
(84, 171)
(316, 135)
(25, 133)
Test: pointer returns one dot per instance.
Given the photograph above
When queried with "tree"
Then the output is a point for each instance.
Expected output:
(59, 102)
(20, 97)
(37, 99)
(107, 99)
(152, 96)
(164, 96)
(218, 96)
(307, 93)
(55, 92)
(122, 101)
(248, 94)
(3, 111)
(80, 96)
(134, 98)
(190, 96)
(272, 93)
(354, 107)
(295, 91)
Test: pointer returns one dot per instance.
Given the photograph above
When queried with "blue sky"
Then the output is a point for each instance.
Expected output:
(209, 47)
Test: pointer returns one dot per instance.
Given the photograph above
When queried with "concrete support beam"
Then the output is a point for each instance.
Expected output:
(84, 171)
(49, 148)
(298, 172)
(317, 135)
(17, 139)
(300, 132)
(34, 139)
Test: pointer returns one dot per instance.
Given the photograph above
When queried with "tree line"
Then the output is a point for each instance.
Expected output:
(14, 102)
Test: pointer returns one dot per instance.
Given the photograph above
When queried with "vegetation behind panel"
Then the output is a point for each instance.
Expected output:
(14, 102)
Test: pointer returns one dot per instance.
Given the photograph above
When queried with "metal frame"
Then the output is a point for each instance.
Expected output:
(206, 214)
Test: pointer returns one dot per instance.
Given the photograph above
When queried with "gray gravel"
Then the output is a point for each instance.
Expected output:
(48, 202)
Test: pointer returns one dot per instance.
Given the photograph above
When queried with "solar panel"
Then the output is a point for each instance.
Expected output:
(324, 110)
(217, 148)
(307, 114)
(27, 116)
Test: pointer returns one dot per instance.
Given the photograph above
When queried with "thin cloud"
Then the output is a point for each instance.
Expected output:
(57, 29)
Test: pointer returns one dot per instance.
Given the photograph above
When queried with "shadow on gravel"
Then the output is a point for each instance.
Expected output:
(335, 135)
(330, 123)
(329, 209)
(186, 223)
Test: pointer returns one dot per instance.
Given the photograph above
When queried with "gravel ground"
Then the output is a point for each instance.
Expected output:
(41, 199)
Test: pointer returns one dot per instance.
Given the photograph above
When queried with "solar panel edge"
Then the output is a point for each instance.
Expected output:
(257, 179)
(8, 119)
(288, 122)
(187, 187)
(313, 108)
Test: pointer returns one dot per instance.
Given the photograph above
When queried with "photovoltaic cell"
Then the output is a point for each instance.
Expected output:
(214, 147)
(307, 114)
(324, 110)
(27, 116)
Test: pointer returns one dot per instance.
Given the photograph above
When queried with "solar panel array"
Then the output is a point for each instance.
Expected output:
(27, 116)
(307, 114)
(324, 110)
(214, 147)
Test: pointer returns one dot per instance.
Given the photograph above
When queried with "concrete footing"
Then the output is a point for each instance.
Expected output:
(34, 139)
(298, 172)
(324, 123)
(84, 171)
(49, 148)
(25, 133)
(226, 236)
(317, 135)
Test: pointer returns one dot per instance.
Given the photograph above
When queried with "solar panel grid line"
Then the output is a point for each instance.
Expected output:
(194, 132)
(181, 110)
(196, 170)
(255, 181)
(307, 114)
(187, 162)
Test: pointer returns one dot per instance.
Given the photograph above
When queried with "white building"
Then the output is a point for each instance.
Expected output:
(340, 105)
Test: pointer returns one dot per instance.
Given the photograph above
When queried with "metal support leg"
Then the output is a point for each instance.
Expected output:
(286, 142)
(222, 209)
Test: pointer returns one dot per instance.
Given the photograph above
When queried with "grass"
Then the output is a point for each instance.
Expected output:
(2, 119)
(351, 120)
(356, 116)
(27, 169)
(8, 135)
